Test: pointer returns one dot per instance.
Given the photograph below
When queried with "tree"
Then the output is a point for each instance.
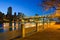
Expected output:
(47, 4)
(1, 18)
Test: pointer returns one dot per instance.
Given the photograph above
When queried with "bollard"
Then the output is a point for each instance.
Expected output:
(23, 30)
(37, 27)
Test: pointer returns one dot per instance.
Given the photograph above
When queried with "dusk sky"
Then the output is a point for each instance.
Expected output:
(28, 7)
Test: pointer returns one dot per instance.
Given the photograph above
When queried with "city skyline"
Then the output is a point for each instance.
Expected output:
(28, 7)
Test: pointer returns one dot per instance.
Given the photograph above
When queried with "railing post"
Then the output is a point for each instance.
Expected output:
(37, 27)
(23, 28)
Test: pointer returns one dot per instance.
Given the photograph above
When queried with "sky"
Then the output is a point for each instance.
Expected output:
(28, 7)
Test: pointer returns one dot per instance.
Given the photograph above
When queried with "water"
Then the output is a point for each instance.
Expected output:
(1, 28)
(4, 27)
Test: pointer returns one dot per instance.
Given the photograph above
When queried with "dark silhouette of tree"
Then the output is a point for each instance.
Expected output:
(47, 4)
(1, 16)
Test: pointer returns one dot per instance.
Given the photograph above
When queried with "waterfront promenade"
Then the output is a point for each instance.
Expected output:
(47, 34)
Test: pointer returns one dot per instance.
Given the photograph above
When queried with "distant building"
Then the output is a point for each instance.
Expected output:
(14, 16)
(9, 12)
(20, 15)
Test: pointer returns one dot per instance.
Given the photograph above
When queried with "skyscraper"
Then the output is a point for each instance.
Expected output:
(9, 12)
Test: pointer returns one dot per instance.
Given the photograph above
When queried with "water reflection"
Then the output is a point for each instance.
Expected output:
(5, 27)
(1, 27)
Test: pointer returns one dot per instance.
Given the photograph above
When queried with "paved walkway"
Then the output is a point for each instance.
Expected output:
(48, 34)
